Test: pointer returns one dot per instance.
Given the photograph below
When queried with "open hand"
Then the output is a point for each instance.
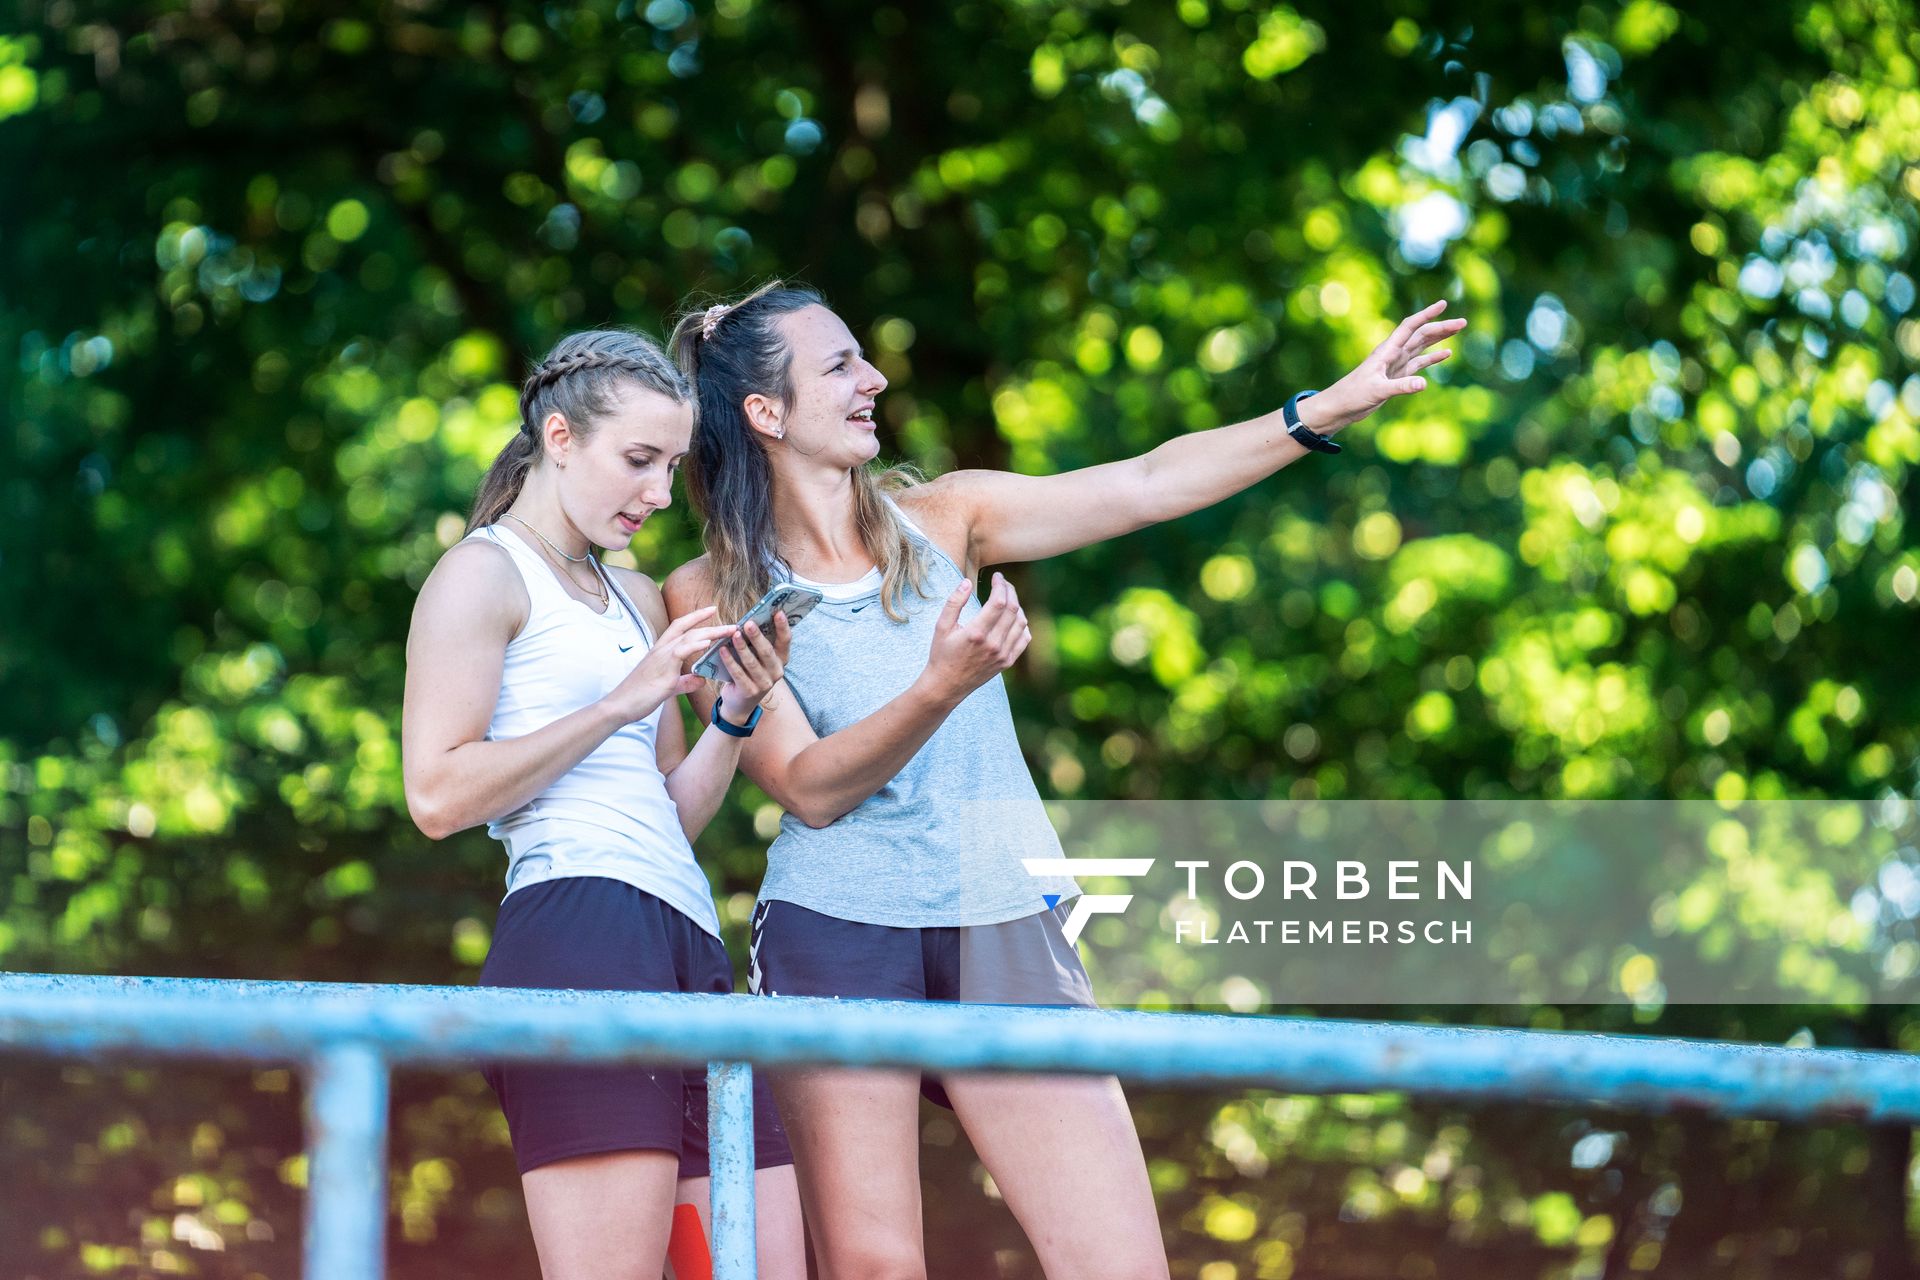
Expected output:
(964, 657)
(1393, 369)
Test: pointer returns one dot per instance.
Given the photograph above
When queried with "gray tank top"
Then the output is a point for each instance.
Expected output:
(941, 843)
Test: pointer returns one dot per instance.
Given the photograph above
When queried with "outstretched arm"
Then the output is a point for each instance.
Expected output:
(1013, 517)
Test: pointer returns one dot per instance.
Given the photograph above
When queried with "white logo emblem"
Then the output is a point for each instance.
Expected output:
(1088, 905)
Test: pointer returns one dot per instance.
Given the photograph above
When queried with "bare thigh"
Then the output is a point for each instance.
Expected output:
(602, 1217)
(1065, 1156)
(779, 1239)
(856, 1145)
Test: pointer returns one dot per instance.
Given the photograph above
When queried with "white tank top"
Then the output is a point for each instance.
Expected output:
(610, 815)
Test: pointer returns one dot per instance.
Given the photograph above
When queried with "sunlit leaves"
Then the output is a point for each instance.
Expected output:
(1284, 42)
(1643, 25)
(19, 82)
(1646, 534)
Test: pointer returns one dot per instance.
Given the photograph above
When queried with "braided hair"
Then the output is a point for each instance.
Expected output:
(580, 380)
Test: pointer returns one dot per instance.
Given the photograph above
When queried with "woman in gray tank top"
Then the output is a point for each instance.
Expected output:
(898, 869)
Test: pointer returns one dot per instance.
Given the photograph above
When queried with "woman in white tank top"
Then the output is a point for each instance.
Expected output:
(541, 700)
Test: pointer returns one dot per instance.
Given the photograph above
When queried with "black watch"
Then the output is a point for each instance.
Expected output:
(1298, 429)
(735, 730)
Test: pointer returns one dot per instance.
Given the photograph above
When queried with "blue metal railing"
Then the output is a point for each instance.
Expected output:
(349, 1036)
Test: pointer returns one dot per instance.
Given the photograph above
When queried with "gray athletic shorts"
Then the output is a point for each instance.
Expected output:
(795, 951)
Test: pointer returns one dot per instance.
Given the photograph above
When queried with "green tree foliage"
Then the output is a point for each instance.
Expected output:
(269, 273)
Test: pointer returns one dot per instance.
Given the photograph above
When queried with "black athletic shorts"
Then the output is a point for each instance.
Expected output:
(590, 933)
(796, 951)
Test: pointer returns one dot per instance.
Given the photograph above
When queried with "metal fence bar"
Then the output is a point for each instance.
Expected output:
(295, 1021)
(351, 1034)
(347, 1164)
(730, 1156)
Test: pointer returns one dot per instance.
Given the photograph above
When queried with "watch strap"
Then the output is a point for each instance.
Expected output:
(735, 730)
(1298, 429)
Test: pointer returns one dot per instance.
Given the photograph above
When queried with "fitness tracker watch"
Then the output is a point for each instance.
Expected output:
(1298, 429)
(735, 730)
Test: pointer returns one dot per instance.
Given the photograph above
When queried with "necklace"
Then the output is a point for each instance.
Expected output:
(599, 588)
(544, 538)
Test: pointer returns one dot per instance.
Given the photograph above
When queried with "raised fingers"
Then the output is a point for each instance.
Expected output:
(1010, 626)
(956, 601)
(1405, 328)
(766, 643)
(994, 611)
(1015, 639)
(680, 624)
(997, 594)
(1428, 334)
(730, 659)
(755, 654)
(695, 642)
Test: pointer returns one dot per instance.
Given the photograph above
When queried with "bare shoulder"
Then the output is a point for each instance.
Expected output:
(946, 507)
(689, 587)
(646, 595)
(474, 585)
(950, 498)
(942, 494)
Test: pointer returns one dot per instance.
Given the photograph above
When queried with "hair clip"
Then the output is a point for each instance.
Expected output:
(712, 320)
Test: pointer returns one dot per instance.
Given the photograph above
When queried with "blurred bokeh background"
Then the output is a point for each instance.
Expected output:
(269, 273)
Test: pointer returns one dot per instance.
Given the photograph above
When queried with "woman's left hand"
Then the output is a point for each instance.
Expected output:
(756, 660)
(1393, 369)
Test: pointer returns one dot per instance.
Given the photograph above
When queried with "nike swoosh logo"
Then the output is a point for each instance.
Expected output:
(857, 608)
(625, 647)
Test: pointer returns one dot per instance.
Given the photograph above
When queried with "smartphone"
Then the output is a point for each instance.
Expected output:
(782, 597)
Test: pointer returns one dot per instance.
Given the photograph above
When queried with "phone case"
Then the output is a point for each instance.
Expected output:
(795, 601)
